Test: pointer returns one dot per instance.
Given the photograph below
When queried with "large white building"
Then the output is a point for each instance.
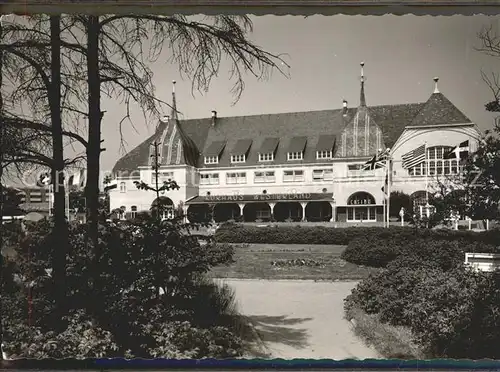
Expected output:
(300, 166)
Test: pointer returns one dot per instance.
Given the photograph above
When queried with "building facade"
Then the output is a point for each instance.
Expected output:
(303, 166)
(35, 199)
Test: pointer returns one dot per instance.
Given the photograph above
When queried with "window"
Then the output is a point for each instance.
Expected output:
(418, 170)
(356, 170)
(211, 160)
(436, 164)
(237, 177)
(165, 176)
(264, 177)
(123, 187)
(439, 166)
(269, 156)
(123, 210)
(237, 158)
(322, 175)
(133, 211)
(432, 167)
(295, 156)
(153, 178)
(454, 166)
(358, 214)
(355, 167)
(209, 178)
(436, 152)
(361, 208)
(325, 154)
(420, 204)
(167, 213)
(162, 177)
(293, 176)
(446, 167)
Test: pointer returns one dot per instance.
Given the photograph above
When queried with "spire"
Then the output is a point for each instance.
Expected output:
(362, 99)
(436, 90)
(189, 149)
(174, 104)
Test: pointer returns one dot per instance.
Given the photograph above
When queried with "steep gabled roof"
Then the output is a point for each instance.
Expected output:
(178, 144)
(392, 119)
(362, 136)
(177, 147)
(195, 130)
(373, 127)
(439, 110)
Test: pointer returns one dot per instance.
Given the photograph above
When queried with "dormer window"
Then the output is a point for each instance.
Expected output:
(266, 157)
(267, 149)
(213, 152)
(295, 155)
(296, 148)
(211, 160)
(240, 150)
(325, 154)
(238, 158)
(324, 147)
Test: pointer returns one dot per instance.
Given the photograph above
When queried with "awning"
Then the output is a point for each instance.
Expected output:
(269, 145)
(215, 148)
(241, 147)
(293, 197)
(297, 144)
(325, 142)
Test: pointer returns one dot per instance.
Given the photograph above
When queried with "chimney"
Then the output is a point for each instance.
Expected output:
(344, 109)
(214, 117)
(436, 90)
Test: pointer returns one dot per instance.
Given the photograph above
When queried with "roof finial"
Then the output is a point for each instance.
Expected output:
(173, 86)
(362, 99)
(436, 90)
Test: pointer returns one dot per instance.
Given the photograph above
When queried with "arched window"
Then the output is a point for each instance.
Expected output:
(123, 187)
(133, 212)
(361, 207)
(123, 209)
(418, 198)
(436, 164)
(361, 198)
(167, 211)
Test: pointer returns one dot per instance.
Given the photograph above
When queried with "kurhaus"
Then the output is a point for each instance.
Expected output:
(299, 166)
